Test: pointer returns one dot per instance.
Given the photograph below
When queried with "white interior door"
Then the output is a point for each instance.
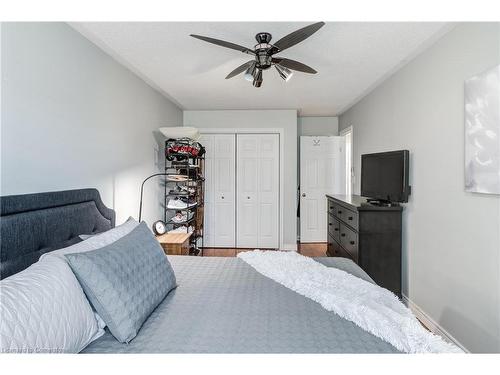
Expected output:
(322, 171)
(219, 190)
(257, 191)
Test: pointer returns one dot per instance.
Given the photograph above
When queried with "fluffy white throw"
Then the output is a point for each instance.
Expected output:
(369, 306)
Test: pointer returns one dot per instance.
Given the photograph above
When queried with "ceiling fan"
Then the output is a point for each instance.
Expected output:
(263, 52)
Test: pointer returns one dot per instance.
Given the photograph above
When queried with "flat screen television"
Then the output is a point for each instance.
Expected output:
(384, 176)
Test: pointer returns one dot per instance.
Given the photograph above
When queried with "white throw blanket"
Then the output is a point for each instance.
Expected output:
(369, 306)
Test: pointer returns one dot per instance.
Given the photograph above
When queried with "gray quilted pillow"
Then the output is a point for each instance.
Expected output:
(125, 280)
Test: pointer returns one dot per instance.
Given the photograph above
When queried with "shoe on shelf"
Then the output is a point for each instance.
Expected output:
(177, 204)
(179, 218)
(187, 189)
(188, 202)
(177, 177)
(182, 230)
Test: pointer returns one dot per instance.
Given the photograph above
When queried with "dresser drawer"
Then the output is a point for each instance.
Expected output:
(334, 227)
(349, 241)
(331, 207)
(349, 217)
(335, 250)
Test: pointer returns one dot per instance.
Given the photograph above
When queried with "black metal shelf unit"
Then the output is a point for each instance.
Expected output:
(189, 186)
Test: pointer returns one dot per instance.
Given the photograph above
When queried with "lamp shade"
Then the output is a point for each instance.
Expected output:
(250, 72)
(284, 72)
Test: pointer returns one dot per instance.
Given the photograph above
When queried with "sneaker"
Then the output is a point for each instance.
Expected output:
(177, 177)
(179, 218)
(187, 189)
(177, 204)
(182, 230)
(178, 192)
(188, 202)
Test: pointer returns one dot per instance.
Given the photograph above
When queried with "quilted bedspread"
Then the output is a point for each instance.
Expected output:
(222, 305)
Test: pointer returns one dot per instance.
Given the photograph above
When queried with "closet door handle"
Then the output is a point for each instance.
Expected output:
(342, 234)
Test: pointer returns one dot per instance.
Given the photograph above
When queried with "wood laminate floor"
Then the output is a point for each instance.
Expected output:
(309, 249)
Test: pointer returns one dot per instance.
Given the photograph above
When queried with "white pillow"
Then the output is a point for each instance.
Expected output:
(97, 241)
(43, 310)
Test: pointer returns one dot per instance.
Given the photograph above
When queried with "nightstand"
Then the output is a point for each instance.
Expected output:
(175, 243)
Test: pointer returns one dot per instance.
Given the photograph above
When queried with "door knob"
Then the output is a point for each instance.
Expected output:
(303, 194)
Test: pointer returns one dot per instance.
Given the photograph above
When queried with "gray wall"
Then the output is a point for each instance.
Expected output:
(451, 238)
(72, 117)
(286, 119)
(317, 126)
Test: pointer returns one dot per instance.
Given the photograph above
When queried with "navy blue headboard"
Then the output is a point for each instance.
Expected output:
(34, 224)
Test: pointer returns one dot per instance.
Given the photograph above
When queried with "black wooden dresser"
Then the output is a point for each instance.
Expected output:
(370, 235)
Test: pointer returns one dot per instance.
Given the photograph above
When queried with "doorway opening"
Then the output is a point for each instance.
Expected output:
(349, 168)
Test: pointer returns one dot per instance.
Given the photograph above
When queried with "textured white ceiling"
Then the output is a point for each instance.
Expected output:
(350, 59)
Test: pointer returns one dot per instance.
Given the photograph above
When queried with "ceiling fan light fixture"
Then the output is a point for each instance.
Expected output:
(284, 72)
(257, 82)
(250, 72)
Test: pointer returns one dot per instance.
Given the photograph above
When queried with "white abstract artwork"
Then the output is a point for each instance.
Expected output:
(482, 132)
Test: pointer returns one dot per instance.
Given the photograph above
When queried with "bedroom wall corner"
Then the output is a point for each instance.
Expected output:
(451, 238)
(73, 117)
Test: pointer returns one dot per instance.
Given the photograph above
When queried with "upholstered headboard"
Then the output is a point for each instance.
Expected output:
(34, 224)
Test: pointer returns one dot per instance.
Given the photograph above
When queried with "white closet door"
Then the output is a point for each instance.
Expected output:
(321, 172)
(219, 190)
(257, 190)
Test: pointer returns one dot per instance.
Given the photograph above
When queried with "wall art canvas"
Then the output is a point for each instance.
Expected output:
(482, 132)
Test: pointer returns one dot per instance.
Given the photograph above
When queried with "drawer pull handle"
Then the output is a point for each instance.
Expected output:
(343, 234)
(336, 229)
(330, 224)
(339, 212)
(331, 207)
(350, 217)
(351, 242)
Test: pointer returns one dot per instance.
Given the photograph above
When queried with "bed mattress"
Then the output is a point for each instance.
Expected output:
(222, 305)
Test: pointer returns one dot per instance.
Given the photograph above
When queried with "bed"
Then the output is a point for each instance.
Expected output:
(221, 305)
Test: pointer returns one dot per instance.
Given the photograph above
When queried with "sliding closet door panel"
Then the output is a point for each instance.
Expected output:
(224, 190)
(268, 176)
(247, 211)
(257, 190)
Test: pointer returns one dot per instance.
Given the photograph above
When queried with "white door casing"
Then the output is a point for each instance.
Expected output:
(321, 172)
(257, 195)
(219, 190)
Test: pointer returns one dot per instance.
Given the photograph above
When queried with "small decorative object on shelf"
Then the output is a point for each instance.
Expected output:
(185, 190)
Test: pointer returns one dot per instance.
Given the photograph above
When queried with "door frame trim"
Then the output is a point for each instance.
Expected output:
(281, 133)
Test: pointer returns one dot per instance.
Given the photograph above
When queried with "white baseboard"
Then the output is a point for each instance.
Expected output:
(431, 324)
(289, 247)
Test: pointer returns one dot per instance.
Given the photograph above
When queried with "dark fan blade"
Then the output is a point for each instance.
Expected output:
(223, 43)
(240, 69)
(294, 65)
(298, 36)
